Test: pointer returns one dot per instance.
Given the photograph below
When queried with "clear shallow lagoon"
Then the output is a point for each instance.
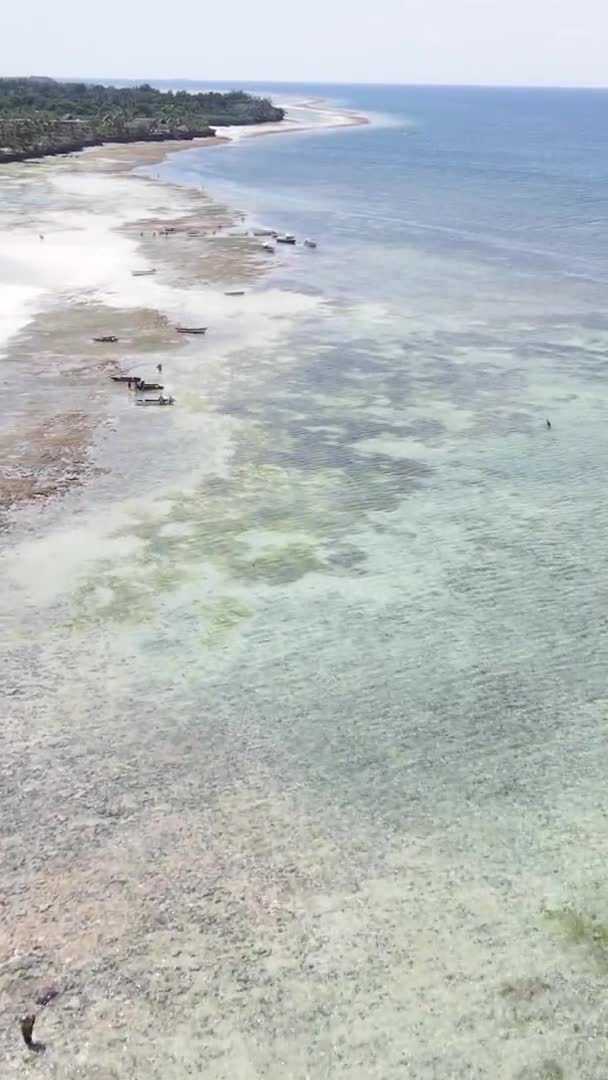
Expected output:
(344, 656)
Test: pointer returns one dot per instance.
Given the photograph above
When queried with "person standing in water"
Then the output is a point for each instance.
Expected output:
(548, 423)
(159, 368)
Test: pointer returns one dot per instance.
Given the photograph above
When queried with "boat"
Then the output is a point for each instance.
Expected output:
(191, 329)
(286, 238)
(160, 400)
(263, 232)
(310, 243)
(143, 386)
(235, 292)
(142, 273)
(268, 247)
(123, 378)
(106, 337)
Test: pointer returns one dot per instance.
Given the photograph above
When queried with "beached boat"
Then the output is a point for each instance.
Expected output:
(143, 386)
(263, 232)
(191, 329)
(106, 337)
(142, 273)
(123, 378)
(160, 400)
(286, 238)
(310, 243)
(268, 247)
(235, 292)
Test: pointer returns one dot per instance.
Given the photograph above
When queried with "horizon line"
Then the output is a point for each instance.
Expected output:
(140, 79)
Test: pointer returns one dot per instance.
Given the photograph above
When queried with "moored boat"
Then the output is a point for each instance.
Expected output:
(160, 400)
(191, 329)
(142, 273)
(286, 238)
(310, 243)
(235, 292)
(106, 338)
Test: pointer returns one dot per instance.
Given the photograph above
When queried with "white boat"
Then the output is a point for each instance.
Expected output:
(310, 243)
(286, 238)
(268, 247)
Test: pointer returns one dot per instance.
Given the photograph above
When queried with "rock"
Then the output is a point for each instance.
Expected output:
(47, 994)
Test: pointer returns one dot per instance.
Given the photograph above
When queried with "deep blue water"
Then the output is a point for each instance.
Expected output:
(503, 175)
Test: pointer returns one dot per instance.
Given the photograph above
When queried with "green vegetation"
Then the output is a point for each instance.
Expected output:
(549, 1069)
(42, 116)
(580, 929)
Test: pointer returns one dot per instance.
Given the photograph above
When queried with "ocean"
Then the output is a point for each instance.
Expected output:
(365, 699)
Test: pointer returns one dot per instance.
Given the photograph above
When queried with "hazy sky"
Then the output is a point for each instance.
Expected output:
(449, 41)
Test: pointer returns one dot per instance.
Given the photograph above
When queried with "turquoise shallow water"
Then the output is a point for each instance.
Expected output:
(352, 639)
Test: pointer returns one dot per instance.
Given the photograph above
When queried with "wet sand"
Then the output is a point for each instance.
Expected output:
(199, 248)
(53, 371)
(125, 918)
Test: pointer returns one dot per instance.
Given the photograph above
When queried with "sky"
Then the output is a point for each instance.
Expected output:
(504, 42)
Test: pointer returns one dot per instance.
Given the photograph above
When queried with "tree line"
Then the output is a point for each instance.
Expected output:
(43, 98)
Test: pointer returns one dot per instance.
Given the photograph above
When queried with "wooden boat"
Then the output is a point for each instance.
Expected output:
(310, 243)
(160, 400)
(191, 329)
(142, 273)
(143, 386)
(286, 238)
(106, 337)
(123, 378)
(235, 292)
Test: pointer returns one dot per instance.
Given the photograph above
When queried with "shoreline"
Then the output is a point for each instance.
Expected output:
(56, 453)
(153, 151)
(80, 915)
